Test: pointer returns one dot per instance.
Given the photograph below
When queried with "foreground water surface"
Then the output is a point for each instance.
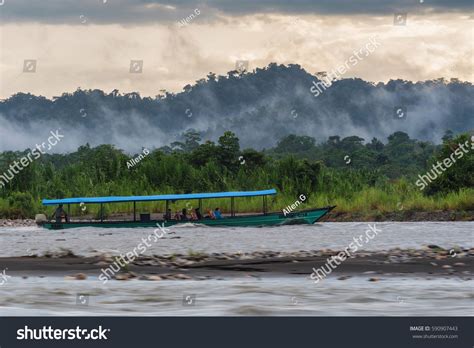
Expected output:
(245, 295)
(273, 296)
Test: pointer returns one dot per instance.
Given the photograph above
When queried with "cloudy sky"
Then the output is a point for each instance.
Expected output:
(90, 44)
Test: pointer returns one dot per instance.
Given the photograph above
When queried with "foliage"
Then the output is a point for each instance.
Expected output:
(378, 177)
(21, 204)
(460, 152)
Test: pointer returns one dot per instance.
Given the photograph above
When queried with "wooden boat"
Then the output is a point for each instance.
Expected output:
(309, 216)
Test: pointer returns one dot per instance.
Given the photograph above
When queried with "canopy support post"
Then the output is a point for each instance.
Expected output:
(68, 212)
(264, 202)
(167, 207)
(134, 211)
(200, 206)
(232, 211)
(101, 212)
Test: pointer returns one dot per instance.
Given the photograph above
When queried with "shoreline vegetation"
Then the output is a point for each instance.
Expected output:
(372, 181)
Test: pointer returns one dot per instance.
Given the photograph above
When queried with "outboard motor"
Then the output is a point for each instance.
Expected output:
(40, 219)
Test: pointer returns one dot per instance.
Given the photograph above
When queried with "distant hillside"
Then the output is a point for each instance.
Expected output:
(260, 107)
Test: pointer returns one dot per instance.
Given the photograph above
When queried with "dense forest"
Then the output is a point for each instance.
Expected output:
(260, 107)
(349, 172)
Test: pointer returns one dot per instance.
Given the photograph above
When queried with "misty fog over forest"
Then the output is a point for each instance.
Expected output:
(260, 107)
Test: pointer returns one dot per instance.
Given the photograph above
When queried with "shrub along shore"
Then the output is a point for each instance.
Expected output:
(377, 184)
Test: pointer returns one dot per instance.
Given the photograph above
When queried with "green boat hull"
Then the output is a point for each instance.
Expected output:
(272, 219)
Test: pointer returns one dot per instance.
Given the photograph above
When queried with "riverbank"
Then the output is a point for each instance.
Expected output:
(17, 222)
(402, 215)
(429, 261)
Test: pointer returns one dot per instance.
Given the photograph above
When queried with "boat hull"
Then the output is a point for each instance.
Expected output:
(272, 219)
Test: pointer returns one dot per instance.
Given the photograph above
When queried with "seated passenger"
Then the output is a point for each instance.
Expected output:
(184, 214)
(210, 215)
(198, 214)
(217, 213)
(193, 215)
(177, 216)
(167, 215)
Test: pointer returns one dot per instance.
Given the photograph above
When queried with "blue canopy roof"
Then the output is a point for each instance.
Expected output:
(174, 197)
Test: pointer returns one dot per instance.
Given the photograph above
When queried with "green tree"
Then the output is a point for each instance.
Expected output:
(294, 143)
(21, 204)
(203, 154)
(459, 150)
(252, 159)
(228, 150)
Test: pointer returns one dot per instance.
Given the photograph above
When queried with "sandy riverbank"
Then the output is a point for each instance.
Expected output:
(17, 222)
(429, 261)
(402, 215)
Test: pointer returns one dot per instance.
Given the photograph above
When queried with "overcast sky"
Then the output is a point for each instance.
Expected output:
(90, 44)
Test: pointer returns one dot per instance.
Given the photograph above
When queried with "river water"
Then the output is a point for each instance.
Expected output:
(246, 295)
(183, 238)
